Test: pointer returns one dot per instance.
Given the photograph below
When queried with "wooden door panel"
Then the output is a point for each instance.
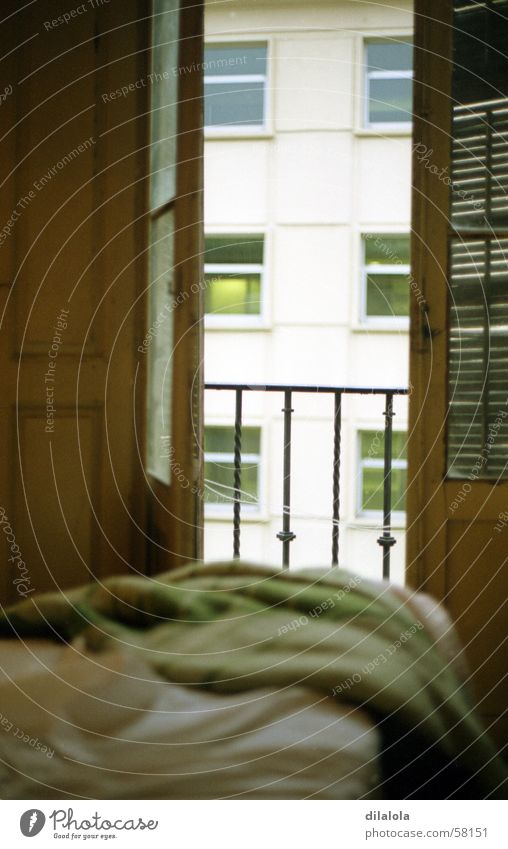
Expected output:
(53, 493)
(70, 479)
(477, 578)
(75, 163)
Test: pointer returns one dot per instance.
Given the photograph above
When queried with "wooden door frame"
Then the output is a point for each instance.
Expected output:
(426, 546)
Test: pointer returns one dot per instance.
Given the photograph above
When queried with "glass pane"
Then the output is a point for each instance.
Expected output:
(399, 486)
(158, 346)
(387, 295)
(390, 55)
(231, 104)
(223, 59)
(372, 489)
(386, 249)
(233, 294)
(219, 475)
(219, 483)
(390, 101)
(220, 439)
(164, 97)
(372, 444)
(222, 249)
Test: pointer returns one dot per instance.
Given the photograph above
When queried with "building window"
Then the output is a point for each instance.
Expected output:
(235, 85)
(388, 84)
(385, 273)
(371, 472)
(234, 278)
(219, 467)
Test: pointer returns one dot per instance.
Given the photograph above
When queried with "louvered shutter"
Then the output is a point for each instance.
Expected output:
(478, 262)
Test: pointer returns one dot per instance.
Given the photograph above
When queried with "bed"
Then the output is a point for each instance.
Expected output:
(234, 681)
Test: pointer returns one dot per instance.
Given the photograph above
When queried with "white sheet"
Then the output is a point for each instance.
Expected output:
(116, 730)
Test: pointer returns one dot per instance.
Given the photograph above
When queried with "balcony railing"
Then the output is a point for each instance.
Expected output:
(286, 535)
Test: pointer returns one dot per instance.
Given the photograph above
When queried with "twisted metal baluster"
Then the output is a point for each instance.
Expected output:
(237, 482)
(336, 478)
(386, 540)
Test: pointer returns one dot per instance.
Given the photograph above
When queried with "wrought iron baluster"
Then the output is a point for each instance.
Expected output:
(237, 482)
(386, 540)
(286, 536)
(336, 478)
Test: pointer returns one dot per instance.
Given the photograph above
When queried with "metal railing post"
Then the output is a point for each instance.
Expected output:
(286, 536)
(386, 540)
(336, 478)
(237, 481)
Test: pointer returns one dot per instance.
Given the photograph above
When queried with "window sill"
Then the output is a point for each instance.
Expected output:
(234, 134)
(375, 523)
(381, 327)
(236, 327)
(383, 130)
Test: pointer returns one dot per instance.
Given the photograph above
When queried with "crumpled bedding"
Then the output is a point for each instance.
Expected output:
(234, 628)
(116, 730)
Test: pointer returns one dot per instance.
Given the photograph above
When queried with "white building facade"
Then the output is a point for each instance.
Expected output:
(307, 216)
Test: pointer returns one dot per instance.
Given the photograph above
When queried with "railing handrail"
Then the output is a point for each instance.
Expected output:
(286, 535)
(302, 387)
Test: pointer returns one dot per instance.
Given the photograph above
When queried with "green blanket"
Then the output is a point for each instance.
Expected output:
(234, 626)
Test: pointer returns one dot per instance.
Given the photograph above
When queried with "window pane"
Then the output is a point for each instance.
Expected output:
(393, 250)
(390, 101)
(399, 445)
(222, 59)
(219, 474)
(231, 104)
(399, 486)
(164, 95)
(225, 249)
(219, 439)
(387, 295)
(219, 483)
(233, 294)
(372, 489)
(372, 444)
(390, 55)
